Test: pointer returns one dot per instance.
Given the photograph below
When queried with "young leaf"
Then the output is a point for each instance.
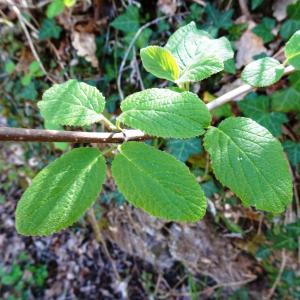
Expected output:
(258, 109)
(158, 183)
(188, 45)
(160, 62)
(262, 72)
(165, 113)
(250, 161)
(72, 103)
(61, 193)
(292, 50)
(202, 68)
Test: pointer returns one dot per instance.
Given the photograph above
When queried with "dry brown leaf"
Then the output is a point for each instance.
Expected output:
(168, 7)
(248, 46)
(85, 45)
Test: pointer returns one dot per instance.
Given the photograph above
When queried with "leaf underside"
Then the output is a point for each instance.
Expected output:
(158, 183)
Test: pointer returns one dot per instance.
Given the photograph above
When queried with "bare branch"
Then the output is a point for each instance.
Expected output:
(40, 135)
(43, 135)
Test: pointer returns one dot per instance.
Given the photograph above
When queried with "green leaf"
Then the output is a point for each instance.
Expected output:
(49, 29)
(217, 18)
(61, 193)
(293, 10)
(55, 8)
(262, 72)
(35, 69)
(292, 50)
(258, 109)
(256, 3)
(294, 80)
(165, 113)
(246, 158)
(183, 149)
(293, 151)
(9, 66)
(189, 45)
(286, 100)
(72, 103)
(288, 28)
(160, 62)
(202, 68)
(127, 22)
(264, 29)
(158, 183)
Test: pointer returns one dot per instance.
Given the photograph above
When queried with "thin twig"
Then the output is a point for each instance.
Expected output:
(277, 280)
(244, 8)
(99, 238)
(122, 65)
(243, 89)
(138, 33)
(43, 135)
(30, 42)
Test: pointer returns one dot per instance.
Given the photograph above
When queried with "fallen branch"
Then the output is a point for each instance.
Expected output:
(43, 135)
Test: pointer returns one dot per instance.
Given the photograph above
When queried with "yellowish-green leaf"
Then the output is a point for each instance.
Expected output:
(197, 53)
(160, 62)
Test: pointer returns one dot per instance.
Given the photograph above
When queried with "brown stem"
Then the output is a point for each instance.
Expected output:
(42, 135)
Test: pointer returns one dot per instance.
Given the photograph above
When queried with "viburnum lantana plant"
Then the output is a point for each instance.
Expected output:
(245, 157)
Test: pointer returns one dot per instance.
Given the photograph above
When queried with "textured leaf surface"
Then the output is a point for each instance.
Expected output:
(160, 62)
(202, 68)
(165, 113)
(292, 50)
(250, 161)
(189, 44)
(258, 109)
(61, 192)
(72, 103)
(183, 149)
(263, 72)
(158, 183)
